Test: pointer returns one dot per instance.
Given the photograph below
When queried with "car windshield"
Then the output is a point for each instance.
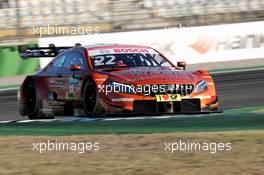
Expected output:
(115, 60)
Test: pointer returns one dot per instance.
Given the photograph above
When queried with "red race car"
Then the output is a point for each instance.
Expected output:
(114, 79)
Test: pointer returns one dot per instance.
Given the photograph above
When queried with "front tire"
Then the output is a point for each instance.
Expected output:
(90, 99)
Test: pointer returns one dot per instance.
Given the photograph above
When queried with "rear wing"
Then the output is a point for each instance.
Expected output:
(26, 52)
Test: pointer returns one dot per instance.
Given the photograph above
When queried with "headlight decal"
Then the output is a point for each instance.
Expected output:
(201, 86)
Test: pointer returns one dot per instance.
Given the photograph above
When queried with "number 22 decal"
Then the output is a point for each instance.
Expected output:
(99, 60)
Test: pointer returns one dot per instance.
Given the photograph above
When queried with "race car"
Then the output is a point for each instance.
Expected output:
(99, 80)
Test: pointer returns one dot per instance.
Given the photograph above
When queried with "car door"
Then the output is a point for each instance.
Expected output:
(72, 90)
(56, 80)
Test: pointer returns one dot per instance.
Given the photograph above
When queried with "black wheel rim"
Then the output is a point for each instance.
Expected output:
(90, 99)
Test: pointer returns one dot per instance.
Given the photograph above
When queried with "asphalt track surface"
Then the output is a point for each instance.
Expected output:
(235, 90)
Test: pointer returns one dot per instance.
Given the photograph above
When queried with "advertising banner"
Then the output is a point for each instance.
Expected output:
(191, 44)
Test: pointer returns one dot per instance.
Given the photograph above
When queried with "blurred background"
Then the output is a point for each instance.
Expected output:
(221, 36)
(19, 18)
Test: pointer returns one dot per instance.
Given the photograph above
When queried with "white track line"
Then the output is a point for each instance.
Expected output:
(8, 121)
(8, 89)
(42, 120)
(99, 119)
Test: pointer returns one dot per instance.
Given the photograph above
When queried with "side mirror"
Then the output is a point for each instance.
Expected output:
(75, 67)
(181, 64)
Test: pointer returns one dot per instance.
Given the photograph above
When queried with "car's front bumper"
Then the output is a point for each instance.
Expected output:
(137, 104)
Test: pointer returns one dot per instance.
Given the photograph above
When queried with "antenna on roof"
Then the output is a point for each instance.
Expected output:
(51, 45)
(78, 44)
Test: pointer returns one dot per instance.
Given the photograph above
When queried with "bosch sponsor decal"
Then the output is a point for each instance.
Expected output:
(95, 52)
(131, 50)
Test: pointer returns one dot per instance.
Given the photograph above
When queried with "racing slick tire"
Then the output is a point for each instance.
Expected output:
(90, 99)
(32, 103)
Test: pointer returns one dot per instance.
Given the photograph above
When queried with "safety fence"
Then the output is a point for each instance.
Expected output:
(11, 64)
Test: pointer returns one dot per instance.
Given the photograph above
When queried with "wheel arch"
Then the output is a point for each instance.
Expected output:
(25, 83)
(40, 85)
(88, 78)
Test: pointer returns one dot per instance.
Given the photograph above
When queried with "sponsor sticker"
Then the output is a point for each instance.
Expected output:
(73, 81)
(168, 97)
(70, 95)
(71, 88)
(131, 50)
(122, 99)
(120, 50)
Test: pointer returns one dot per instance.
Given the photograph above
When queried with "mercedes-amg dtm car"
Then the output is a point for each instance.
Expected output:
(99, 80)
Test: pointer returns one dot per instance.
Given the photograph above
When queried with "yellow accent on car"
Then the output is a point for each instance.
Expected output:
(168, 97)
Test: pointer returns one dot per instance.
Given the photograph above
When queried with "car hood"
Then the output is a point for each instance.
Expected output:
(151, 75)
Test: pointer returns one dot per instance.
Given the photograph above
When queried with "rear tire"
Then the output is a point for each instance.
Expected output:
(32, 103)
